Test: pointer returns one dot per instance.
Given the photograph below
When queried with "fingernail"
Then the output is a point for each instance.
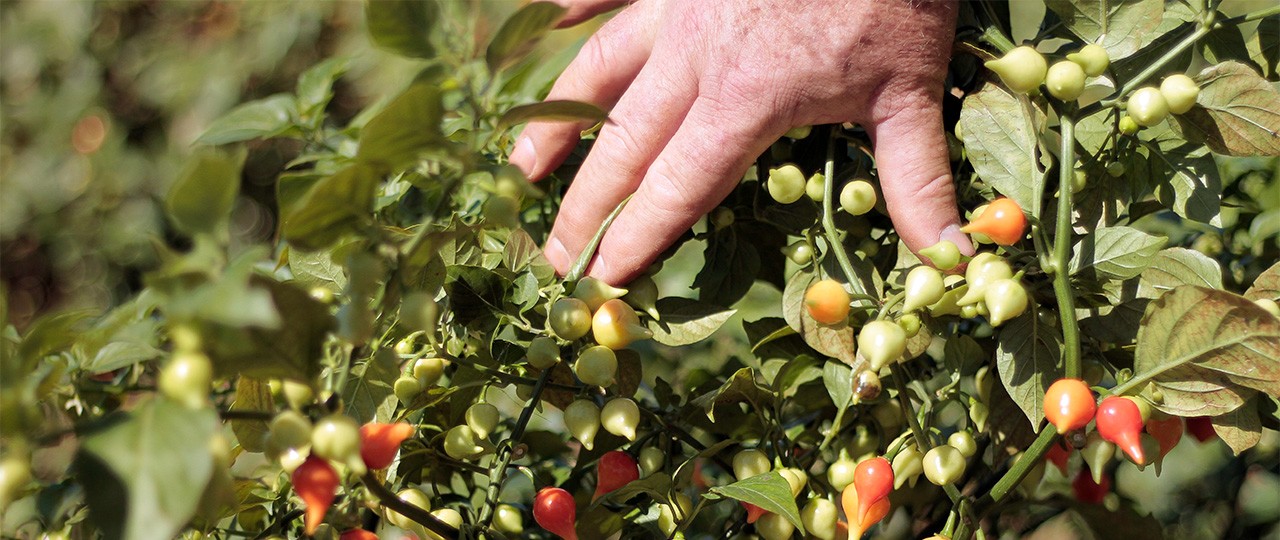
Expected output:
(557, 255)
(525, 157)
(961, 240)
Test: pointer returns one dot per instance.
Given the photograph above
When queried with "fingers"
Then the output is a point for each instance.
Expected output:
(581, 10)
(915, 176)
(638, 128)
(602, 71)
(701, 164)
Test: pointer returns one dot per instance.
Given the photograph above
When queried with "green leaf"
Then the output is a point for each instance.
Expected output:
(1121, 26)
(1241, 429)
(769, 491)
(260, 119)
(407, 126)
(293, 350)
(739, 387)
(200, 201)
(835, 341)
(315, 85)
(1028, 355)
(333, 207)
(1207, 350)
(521, 32)
(369, 388)
(731, 268)
(1266, 285)
(519, 250)
(1186, 179)
(151, 465)
(402, 26)
(1264, 49)
(1177, 266)
(1116, 324)
(838, 379)
(562, 110)
(1001, 135)
(252, 395)
(685, 321)
(1237, 113)
(1115, 252)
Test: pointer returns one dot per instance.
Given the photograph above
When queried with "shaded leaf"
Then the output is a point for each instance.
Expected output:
(838, 379)
(155, 463)
(368, 388)
(1207, 350)
(200, 201)
(1237, 113)
(407, 126)
(1266, 285)
(686, 321)
(769, 491)
(252, 395)
(1115, 252)
(561, 110)
(1241, 429)
(741, 386)
(520, 32)
(292, 350)
(315, 85)
(1185, 178)
(333, 207)
(731, 268)
(1028, 357)
(260, 119)
(402, 26)
(1001, 135)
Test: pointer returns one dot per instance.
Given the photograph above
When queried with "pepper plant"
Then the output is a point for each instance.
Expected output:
(399, 358)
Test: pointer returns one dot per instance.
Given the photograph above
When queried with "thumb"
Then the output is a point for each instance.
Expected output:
(915, 176)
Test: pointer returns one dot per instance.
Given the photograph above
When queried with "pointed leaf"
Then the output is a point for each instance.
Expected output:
(1028, 357)
(407, 126)
(260, 119)
(562, 110)
(686, 321)
(1177, 266)
(1001, 134)
(769, 491)
(1237, 112)
(333, 207)
(1121, 26)
(521, 32)
(402, 26)
(1115, 252)
(157, 461)
(200, 201)
(1266, 285)
(1207, 350)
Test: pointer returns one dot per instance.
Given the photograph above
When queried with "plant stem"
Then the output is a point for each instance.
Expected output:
(418, 515)
(829, 222)
(498, 471)
(923, 442)
(1062, 248)
(1018, 471)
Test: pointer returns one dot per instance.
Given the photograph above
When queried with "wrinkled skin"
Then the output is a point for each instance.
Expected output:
(697, 89)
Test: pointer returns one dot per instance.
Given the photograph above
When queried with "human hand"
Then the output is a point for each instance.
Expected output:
(696, 90)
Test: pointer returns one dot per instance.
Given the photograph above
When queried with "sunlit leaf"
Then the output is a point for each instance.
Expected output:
(1237, 112)
(200, 201)
(407, 126)
(1028, 357)
(1001, 134)
(402, 26)
(1207, 350)
(521, 32)
(260, 119)
(1115, 252)
(1121, 26)
(1177, 266)
(769, 491)
(551, 110)
(686, 321)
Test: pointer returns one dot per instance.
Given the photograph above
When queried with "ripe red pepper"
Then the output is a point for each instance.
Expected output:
(614, 470)
(380, 442)
(1058, 456)
(1120, 422)
(555, 511)
(1088, 492)
(316, 483)
(873, 481)
(1201, 427)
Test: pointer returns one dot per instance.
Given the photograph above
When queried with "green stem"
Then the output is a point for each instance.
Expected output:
(1018, 471)
(418, 515)
(923, 442)
(498, 471)
(1150, 71)
(1062, 248)
(829, 223)
(580, 266)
